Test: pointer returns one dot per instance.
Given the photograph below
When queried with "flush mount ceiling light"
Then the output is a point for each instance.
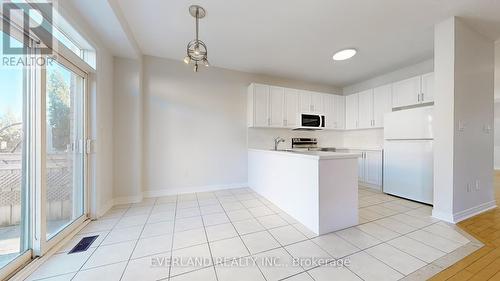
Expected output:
(196, 49)
(344, 54)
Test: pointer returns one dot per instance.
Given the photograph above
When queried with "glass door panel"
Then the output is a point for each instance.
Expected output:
(14, 218)
(64, 131)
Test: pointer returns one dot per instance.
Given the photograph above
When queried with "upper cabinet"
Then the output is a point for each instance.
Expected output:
(412, 91)
(365, 109)
(382, 104)
(351, 111)
(278, 107)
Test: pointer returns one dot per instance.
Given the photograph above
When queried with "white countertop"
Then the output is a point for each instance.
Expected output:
(378, 148)
(319, 155)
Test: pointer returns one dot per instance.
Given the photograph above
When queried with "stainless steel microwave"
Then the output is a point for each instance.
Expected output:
(310, 121)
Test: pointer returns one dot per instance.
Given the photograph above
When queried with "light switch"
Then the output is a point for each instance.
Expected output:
(461, 125)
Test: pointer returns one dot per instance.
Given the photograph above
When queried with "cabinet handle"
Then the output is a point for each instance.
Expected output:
(422, 97)
(418, 98)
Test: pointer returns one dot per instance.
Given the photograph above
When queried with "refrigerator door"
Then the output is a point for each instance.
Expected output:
(415, 123)
(408, 169)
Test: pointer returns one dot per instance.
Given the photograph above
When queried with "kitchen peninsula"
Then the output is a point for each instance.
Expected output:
(319, 189)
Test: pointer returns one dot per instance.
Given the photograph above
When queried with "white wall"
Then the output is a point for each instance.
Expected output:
(195, 134)
(263, 138)
(497, 105)
(101, 110)
(464, 71)
(127, 126)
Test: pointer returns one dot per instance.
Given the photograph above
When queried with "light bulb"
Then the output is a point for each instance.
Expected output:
(187, 60)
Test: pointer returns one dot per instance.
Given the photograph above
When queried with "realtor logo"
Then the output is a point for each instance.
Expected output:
(34, 18)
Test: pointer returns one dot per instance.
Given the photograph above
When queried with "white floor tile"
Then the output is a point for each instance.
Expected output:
(243, 270)
(239, 215)
(232, 205)
(187, 204)
(304, 230)
(434, 240)
(189, 238)
(213, 219)
(272, 221)
(166, 199)
(395, 225)
(64, 277)
(61, 264)
(358, 238)
(330, 272)
(447, 232)
(188, 212)
(228, 248)
(335, 246)
(395, 258)
(248, 226)
(369, 268)
(211, 209)
(287, 235)
(152, 245)
(208, 202)
(161, 217)
(300, 277)
(99, 225)
(135, 211)
(109, 254)
(220, 231)
(416, 249)
(205, 274)
(259, 242)
(283, 268)
(149, 268)
(252, 203)
(185, 256)
(308, 254)
(159, 228)
(122, 235)
(132, 221)
(112, 272)
(410, 220)
(188, 223)
(378, 231)
(260, 211)
(161, 208)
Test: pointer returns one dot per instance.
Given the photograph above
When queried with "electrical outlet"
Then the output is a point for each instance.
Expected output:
(461, 126)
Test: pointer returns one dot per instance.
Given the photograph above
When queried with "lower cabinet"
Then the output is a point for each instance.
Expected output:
(369, 167)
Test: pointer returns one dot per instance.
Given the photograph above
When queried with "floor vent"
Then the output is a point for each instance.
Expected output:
(84, 244)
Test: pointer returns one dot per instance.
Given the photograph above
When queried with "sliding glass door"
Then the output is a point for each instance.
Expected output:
(14, 160)
(64, 153)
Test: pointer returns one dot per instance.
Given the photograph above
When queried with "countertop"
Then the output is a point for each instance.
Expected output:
(376, 148)
(318, 155)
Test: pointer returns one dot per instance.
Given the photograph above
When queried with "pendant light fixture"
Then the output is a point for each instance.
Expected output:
(196, 49)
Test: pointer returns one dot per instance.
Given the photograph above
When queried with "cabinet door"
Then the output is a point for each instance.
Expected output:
(365, 119)
(276, 106)
(305, 102)
(427, 87)
(373, 168)
(361, 165)
(351, 111)
(317, 103)
(261, 105)
(339, 102)
(329, 111)
(406, 92)
(291, 108)
(382, 104)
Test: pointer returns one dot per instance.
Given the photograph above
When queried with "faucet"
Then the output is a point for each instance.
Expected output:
(277, 141)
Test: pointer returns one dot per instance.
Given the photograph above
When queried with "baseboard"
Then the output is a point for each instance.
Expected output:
(127, 199)
(107, 206)
(182, 190)
(465, 214)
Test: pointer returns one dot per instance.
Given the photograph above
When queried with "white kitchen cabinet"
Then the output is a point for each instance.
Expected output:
(305, 103)
(291, 108)
(258, 105)
(317, 103)
(406, 92)
(427, 88)
(382, 104)
(373, 168)
(351, 111)
(365, 109)
(311, 102)
(276, 106)
(339, 105)
(329, 111)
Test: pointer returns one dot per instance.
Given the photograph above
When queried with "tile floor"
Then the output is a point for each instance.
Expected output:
(238, 235)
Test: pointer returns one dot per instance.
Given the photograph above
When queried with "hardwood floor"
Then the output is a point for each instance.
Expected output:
(483, 264)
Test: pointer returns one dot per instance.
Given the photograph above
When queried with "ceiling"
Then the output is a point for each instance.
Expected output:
(296, 39)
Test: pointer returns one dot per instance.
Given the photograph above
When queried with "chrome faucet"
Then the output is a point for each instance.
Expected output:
(277, 141)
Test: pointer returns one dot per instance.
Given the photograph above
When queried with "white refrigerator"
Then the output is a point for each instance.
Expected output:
(408, 154)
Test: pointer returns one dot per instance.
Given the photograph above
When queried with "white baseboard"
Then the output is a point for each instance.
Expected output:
(192, 189)
(465, 214)
(107, 206)
(127, 199)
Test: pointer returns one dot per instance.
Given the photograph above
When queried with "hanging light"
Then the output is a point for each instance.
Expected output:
(196, 49)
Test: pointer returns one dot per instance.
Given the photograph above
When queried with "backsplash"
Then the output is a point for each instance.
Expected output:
(263, 138)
